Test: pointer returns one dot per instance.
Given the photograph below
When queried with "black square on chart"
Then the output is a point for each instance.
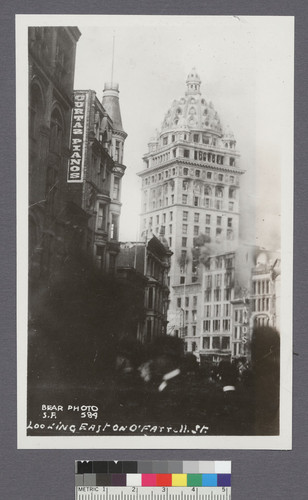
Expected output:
(100, 467)
(115, 467)
(84, 467)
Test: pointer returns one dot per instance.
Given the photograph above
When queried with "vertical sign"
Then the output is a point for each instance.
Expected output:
(76, 160)
(245, 326)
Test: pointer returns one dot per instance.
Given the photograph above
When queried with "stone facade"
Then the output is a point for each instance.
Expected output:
(55, 226)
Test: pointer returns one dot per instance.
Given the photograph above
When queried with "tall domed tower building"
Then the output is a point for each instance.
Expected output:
(190, 192)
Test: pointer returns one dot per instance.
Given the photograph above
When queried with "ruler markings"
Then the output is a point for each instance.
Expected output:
(153, 493)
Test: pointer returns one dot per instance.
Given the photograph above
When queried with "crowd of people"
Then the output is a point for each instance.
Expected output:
(77, 354)
(159, 384)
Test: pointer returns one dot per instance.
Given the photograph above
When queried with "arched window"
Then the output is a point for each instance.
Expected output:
(219, 192)
(36, 110)
(56, 132)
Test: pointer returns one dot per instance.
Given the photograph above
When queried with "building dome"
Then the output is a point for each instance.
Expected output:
(192, 111)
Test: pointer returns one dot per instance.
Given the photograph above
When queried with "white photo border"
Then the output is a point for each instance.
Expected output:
(284, 440)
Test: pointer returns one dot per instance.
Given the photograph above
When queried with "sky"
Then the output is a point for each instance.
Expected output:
(246, 68)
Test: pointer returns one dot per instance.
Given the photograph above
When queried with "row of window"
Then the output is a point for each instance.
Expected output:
(197, 202)
(208, 190)
(218, 191)
(217, 295)
(155, 194)
(157, 219)
(217, 310)
(180, 301)
(218, 280)
(261, 287)
(207, 157)
(203, 156)
(216, 325)
(163, 158)
(162, 202)
(221, 262)
(183, 280)
(193, 316)
(197, 138)
(186, 172)
(208, 231)
(208, 282)
(222, 343)
(261, 321)
(261, 304)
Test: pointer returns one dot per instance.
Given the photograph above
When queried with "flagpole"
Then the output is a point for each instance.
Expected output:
(112, 62)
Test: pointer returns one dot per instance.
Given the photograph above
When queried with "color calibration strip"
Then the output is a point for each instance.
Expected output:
(158, 480)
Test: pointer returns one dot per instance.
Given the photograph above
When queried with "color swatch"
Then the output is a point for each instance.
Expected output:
(153, 474)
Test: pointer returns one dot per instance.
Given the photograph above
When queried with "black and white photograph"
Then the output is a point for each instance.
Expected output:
(155, 231)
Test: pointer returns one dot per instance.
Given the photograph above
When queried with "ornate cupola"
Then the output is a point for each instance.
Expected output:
(193, 83)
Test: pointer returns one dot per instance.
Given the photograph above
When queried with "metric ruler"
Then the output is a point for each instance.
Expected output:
(152, 493)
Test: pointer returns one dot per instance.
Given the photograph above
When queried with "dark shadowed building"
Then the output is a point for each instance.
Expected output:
(75, 160)
(51, 76)
(147, 263)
